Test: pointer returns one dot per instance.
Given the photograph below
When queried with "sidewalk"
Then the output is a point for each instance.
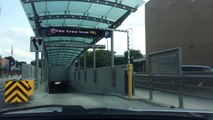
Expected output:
(170, 99)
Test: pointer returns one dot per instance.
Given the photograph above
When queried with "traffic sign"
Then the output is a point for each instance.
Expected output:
(36, 44)
(76, 46)
(74, 32)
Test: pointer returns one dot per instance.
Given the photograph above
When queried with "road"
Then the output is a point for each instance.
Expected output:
(86, 100)
(2, 87)
(75, 98)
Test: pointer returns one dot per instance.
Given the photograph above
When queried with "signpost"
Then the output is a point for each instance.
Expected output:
(36, 44)
(167, 62)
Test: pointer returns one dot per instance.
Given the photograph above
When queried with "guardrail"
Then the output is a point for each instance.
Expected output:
(193, 85)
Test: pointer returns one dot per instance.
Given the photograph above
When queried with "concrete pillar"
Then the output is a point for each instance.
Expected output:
(112, 49)
(79, 63)
(94, 59)
(36, 69)
(85, 61)
(42, 67)
(46, 72)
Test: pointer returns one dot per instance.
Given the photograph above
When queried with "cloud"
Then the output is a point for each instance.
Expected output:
(19, 38)
(138, 17)
(26, 31)
(18, 54)
(137, 34)
(137, 41)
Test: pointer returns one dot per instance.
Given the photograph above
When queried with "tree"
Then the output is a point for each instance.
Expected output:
(134, 54)
(20, 63)
(0, 61)
(10, 58)
(11, 61)
(0, 65)
(34, 63)
(102, 58)
(120, 60)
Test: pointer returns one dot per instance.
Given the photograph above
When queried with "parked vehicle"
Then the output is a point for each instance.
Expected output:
(192, 68)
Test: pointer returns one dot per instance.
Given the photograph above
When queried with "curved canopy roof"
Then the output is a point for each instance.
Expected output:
(95, 14)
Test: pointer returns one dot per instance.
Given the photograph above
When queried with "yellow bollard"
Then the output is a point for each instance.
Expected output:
(129, 81)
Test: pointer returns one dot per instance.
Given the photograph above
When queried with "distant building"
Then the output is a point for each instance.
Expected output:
(4, 67)
(181, 23)
(4, 63)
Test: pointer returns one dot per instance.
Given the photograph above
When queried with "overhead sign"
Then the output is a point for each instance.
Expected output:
(75, 46)
(36, 44)
(166, 62)
(75, 32)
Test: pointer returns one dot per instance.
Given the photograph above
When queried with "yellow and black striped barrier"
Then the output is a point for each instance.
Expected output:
(31, 89)
(17, 91)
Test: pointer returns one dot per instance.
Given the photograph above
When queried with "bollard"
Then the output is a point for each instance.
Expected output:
(129, 81)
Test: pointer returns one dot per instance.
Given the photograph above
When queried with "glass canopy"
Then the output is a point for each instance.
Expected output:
(95, 14)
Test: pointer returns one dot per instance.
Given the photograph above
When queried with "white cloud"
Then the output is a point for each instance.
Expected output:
(137, 33)
(23, 54)
(19, 38)
(18, 54)
(138, 17)
(26, 31)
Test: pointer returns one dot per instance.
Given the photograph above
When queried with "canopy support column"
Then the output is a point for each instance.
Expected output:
(112, 49)
(85, 61)
(94, 58)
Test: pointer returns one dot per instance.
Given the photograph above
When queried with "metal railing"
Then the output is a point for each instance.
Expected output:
(192, 85)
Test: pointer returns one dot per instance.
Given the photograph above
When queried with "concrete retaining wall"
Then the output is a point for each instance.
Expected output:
(58, 74)
(28, 71)
(106, 80)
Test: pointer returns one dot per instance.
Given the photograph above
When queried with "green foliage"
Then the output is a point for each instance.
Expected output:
(9, 58)
(34, 63)
(0, 60)
(134, 54)
(20, 63)
(102, 58)
(120, 61)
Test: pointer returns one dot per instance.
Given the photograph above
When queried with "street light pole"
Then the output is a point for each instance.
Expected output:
(128, 50)
(128, 41)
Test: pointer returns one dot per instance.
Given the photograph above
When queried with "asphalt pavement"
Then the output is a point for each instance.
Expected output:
(85, 100)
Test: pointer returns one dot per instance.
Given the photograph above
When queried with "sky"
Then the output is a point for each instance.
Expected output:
(16, 31)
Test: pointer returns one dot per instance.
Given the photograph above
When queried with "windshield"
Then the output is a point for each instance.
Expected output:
(120, 54)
